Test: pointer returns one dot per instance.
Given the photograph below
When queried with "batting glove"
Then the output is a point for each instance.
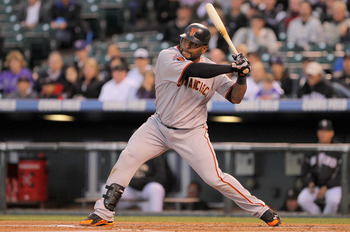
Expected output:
(241, 65)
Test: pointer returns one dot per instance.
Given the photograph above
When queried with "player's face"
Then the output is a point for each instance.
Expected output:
(325, 136)
(190, 50)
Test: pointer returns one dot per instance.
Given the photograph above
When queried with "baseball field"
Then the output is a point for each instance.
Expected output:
(170, 224)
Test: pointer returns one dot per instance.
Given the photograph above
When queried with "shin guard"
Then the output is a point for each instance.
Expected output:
(112, 196)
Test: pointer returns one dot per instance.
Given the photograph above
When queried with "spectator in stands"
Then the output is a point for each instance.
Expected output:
(316, 86)
(15, 67)
(147, 90)
(71, 81)
(324, 10)
(55, 71)
(199, 13)
(32, 13)
(176, 27)
(67, 22)
(24, 90)
(51, 90)
(321, 175)
(147, 186)
(291, 202)
(81, 50)
(302, 77)
(280, 74)
(89, 84)
(166, 11)
(291, 13)
(217, 55)
(268, 89)
(120, 87)
(257, 37)
(142, 64)
(112, 51)
(194, 191)
(274, 15)
(343, 77)
(253, 57)
(305, 29)
(255, 80)
(235, 18)
(337, 30)
(115, 61)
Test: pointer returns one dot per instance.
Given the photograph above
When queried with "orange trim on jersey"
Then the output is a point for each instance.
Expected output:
(182, 73)
(178, 48)
(217, 172)
(230, 90)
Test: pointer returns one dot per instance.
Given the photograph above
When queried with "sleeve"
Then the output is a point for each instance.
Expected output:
(273, 41)
(306, 171)
(224, 86)
(317, 36)
(291, 35)
(170, 64)
(335, 178)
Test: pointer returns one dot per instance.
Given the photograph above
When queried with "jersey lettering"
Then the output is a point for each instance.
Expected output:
(190, 83)
(195, 84)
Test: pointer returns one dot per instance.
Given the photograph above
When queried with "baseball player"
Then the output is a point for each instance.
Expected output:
(185, 82)
(321, 174)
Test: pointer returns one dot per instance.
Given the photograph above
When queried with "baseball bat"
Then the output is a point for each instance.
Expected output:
(215, 18)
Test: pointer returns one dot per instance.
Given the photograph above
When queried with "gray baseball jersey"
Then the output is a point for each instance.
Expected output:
(180, 124)
(183, 104)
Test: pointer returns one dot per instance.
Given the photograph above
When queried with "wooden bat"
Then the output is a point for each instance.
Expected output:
(215, 18)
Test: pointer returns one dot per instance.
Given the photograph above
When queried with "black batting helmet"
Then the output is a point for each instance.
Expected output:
(197, 33)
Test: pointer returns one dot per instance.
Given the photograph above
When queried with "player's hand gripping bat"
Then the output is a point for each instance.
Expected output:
(213, 15)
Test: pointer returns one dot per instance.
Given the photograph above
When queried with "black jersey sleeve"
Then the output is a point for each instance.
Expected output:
(205, 70)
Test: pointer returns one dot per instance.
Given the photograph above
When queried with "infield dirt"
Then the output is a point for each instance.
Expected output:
(6, 226)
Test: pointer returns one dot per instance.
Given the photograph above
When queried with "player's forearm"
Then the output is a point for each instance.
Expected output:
(205, 70)
(238, 90)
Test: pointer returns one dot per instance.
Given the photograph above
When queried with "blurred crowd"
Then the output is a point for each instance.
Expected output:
(257, 28)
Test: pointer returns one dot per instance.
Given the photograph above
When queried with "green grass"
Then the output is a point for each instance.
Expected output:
(291, 220)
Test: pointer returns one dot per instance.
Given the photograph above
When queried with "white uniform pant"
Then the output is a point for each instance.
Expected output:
(306, 200)
(150, 197)
(194, 146)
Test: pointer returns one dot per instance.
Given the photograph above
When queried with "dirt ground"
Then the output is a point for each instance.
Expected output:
(6, 226)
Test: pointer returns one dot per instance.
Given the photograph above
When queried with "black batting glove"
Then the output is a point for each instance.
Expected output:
(241, 65)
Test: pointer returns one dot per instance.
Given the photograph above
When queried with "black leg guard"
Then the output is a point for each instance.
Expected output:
(112, 196)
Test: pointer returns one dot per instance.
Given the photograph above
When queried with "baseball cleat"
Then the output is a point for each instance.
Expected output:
(95, 220)
(271, 218)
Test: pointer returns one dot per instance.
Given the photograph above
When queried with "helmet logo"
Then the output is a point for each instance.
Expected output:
(193, 31)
